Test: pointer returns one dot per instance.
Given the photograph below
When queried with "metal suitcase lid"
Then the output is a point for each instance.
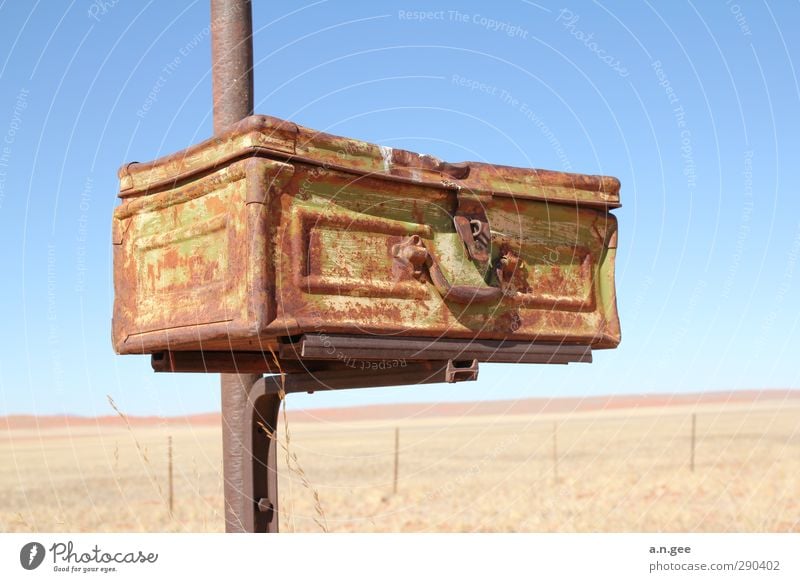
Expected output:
(261, 135)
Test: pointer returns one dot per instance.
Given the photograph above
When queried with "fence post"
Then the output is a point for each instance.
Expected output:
(171, 492)
(396, 457)
(555, 453)
(694, 433)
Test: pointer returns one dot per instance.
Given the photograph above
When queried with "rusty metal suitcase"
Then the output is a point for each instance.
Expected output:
(273, 231)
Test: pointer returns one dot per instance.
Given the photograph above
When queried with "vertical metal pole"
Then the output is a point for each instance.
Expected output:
(235, 391)
(694, 431)
(231, 61)
(396, 457)
(249, 454)
(232, 85)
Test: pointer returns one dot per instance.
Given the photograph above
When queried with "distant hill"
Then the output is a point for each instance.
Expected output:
(425, 410)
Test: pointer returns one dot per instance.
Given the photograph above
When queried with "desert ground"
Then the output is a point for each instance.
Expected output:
(610, 465)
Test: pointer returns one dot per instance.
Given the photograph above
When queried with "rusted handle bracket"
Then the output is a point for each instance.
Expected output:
(413, 253)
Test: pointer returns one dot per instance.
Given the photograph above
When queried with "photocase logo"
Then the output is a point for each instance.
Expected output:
(31, 555)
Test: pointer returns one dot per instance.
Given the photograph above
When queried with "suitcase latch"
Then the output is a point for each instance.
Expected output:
(472, 225)
(511, 272)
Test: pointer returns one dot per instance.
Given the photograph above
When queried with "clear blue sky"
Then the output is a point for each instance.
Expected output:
(694, 106)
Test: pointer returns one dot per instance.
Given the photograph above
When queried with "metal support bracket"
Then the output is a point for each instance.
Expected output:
(250, 407)
(311, 347)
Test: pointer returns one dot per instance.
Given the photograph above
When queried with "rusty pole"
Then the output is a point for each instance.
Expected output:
(231, 61)
(249, 460)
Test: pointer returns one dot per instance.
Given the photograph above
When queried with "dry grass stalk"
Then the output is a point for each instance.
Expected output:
(142, 451)
(297, 469)
(292, 461)
(23, 522)
(282, 396)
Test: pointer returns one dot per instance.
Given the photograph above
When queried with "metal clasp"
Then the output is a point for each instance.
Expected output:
(472, 225)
